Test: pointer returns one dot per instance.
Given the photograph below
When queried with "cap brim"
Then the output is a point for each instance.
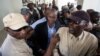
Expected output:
(75, 19)
(18, 26)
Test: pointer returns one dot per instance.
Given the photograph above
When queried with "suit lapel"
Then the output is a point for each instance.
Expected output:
(46, 29)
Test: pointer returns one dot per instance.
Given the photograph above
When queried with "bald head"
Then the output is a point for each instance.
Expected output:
(50, 11)
(51, 15)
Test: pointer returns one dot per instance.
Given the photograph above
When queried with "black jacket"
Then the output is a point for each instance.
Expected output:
(40, 38)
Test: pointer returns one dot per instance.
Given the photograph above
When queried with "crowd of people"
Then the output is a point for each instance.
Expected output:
(43, 30)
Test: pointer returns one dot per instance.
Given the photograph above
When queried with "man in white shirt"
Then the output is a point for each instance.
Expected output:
(73, 40)
(18, 30)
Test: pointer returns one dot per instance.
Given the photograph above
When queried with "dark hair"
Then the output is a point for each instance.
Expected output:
(25, 11)
(65, 11)
(94, 16)
(49, 11)
(89, 11)
(29, 4)
(55, 7)
(79, 7)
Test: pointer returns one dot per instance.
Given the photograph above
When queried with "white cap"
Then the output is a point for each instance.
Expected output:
(14, 21)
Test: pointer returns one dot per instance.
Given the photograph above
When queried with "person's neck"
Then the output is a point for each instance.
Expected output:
(31, 9)
(78, 33)
(43, 9)
(50, 25)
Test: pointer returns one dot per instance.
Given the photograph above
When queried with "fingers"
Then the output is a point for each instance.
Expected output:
(57, 37)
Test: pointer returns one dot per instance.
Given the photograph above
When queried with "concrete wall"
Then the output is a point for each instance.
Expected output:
(80, 2)
(64, 2)
(7, 6)
(42, 1)
(91, 4)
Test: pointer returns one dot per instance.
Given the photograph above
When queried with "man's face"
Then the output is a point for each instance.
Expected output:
(31, 6)
(52, 17)
(21, 33)
(74, 27)
(96, 19)
(27, 17)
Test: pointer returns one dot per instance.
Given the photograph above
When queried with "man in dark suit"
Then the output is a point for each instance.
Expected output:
(64, 19)
(44, 32)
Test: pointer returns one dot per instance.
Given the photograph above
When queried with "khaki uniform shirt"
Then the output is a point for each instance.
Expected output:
(69, 45)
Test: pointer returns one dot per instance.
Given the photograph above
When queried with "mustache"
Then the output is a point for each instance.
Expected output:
(71, 30)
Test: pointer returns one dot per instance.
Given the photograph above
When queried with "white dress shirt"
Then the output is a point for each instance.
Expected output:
(51, 31)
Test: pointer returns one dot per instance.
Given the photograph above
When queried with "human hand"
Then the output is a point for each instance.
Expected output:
(55, 39)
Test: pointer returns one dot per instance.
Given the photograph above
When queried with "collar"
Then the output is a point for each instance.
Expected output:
(53, 26)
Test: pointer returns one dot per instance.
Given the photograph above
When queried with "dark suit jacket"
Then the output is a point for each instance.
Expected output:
(41, 13)
(33, 17)
(64, 21)
(41, 37)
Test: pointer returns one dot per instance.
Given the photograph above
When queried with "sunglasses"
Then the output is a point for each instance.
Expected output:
(21, 28)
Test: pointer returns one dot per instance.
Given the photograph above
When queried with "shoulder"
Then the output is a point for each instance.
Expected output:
(92, 37)
(95, 40)
(62, 29)
(38, 22)
(41, 24)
